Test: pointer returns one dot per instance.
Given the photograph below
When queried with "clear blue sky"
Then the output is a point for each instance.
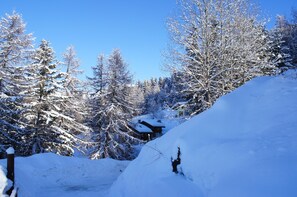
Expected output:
(137, 27)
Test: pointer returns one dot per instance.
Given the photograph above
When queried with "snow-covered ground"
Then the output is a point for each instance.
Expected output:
(244, 146)
(50, 175)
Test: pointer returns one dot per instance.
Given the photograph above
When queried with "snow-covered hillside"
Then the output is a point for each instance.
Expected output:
(51, 175)
(244, 146)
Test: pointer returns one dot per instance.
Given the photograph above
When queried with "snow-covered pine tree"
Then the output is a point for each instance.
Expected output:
(70, 60)
(98, 84)
(76, 101)
(151, 101)
(294, 37)
(137, 98)
(99, 80)
(217, 46)
(111, 118)
(176, 87)
(155, 94)
(15, 49)
(280, 52)
(284, 38)
(51, 129)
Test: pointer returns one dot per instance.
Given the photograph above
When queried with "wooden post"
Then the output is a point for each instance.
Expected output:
(10, 167)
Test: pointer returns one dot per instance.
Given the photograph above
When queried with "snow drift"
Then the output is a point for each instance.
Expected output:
(245, 145)
(5, 184)
(49, 175)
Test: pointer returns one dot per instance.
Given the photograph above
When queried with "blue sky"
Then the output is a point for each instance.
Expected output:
(137, 27)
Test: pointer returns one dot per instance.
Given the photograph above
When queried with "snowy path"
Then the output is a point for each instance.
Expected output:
(49, 175)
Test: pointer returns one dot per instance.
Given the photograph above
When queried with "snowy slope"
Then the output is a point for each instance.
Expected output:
(244, 146)
(50, 175)
(4, 182)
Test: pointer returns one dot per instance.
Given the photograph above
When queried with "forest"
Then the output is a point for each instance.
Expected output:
(215, 47)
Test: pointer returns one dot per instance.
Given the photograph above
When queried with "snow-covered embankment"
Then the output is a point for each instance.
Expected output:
(245, 145)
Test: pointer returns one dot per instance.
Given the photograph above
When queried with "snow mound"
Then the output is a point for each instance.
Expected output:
(4, 182)
(244, 146)
(49, 175)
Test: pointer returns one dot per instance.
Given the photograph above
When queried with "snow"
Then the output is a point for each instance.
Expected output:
(143, 129)
(245, 145)
(4, 182)
(51, 175)
(10, 151)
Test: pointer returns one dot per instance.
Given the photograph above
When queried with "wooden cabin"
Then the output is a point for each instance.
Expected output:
(147, 130)
(156, 127)
(142, 131)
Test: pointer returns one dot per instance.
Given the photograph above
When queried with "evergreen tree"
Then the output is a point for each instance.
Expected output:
(111, 118)
(99, 80)
(280, 51)
(152, 103)
(51, 129)
(137, 98)
(15, 49)
(98, 84)
(285, 35)
(76, 104)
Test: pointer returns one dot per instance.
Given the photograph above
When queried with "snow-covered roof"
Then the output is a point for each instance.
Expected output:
(179, 104)
(154, 122)
(143, 129)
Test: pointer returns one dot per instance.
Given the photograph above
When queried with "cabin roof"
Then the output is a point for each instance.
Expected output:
(142, 128)
(153, 122)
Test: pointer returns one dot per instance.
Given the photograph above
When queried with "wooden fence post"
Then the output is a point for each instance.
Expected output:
(10, 167)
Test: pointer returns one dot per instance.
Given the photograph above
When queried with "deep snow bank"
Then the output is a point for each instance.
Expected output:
(244, 146)
(4, 182)
(52, 175)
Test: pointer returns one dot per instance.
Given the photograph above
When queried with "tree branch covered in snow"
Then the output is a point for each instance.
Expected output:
(111, 109)
(216, 47)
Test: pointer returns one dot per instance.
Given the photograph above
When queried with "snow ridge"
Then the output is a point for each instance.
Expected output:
(243, 146)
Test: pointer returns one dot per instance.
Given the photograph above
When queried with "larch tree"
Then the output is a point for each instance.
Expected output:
(113, 133)
(75, 103)
(98, 84)
(217, 45)
(15, 49)
(99, 80)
